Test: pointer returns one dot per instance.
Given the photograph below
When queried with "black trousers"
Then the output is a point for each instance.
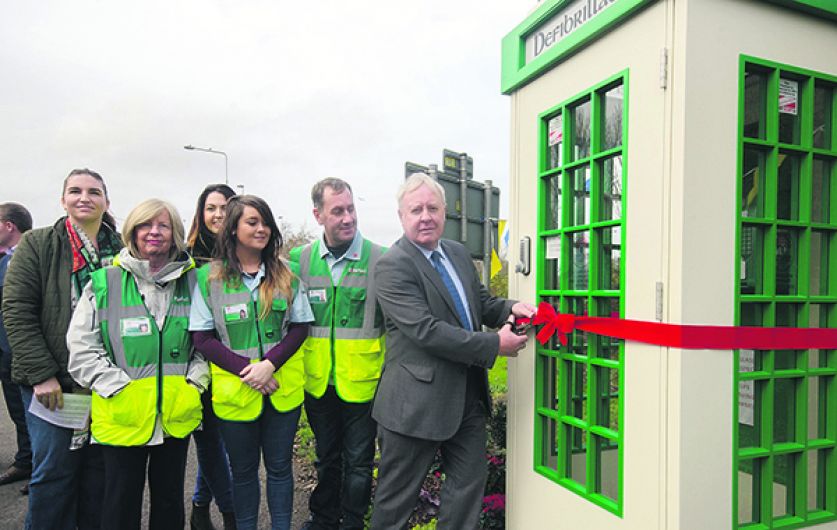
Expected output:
(17, 412)
(345, 435)
(125, 471)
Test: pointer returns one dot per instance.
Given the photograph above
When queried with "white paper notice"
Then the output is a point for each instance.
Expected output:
(74, 415)
(788, 96)
(553, 247)
(746, 389)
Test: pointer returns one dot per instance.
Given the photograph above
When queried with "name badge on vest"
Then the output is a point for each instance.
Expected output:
(317, 296)
(236, 312)
(135, 327)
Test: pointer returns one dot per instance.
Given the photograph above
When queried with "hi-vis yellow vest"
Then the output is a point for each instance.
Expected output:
(239, 327)
(156, 361)
(347, 333)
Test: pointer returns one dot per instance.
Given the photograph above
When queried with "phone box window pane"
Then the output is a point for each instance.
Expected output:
(607, 395)
(580, 214)
(752, 183)
(749, 490)
(608, 468)
(755, 89)
(577, 458)
(752, 260)
(555, 140)
(553, 201)
(611, 203)
(612, 118)
(784, 410)
(606, 347)
(823, 97)
(611, 256)
(787, 315)
(787, 259)
(552, 262)
(818, 261)
(790, 110)
(580, 260)
(549, 377)
(549, 448)
(581, 131)
(553, 343)
(577, 400)
(750, 403)
(783, 484)
(821, 191)
(578, 339)
(818, 406)
(787, 193)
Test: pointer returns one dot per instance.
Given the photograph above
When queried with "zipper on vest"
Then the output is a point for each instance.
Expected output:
(258, 329)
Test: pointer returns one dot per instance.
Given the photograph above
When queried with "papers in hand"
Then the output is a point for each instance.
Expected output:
(74, 415)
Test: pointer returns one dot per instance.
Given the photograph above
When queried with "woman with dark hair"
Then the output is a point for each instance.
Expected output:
(249, 315)
(207, 221)
(213, 478)
(45, 279)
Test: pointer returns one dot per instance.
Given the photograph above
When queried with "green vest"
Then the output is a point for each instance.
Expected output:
(348, 326)
(237, 324)
(156, 361)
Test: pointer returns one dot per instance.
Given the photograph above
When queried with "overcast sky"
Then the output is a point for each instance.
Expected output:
(292, 91)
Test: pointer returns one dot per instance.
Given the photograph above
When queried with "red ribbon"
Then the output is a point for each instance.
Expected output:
(683, 335)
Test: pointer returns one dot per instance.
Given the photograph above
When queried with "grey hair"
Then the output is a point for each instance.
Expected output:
(337, 186)
(417, 180)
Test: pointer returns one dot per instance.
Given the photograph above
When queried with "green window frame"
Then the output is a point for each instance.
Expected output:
(579, 388)
(785, 413)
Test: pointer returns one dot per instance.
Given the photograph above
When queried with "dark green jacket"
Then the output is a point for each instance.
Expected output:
(37, 306)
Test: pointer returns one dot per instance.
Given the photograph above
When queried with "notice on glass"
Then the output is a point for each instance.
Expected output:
(555, 131)
(553, 247)
(746, 389)
(788, 96)
(74, 415)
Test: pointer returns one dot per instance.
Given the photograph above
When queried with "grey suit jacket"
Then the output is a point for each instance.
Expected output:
(422, 388)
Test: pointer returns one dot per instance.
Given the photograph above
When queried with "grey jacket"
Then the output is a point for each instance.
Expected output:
(89, 362)
(422, 388)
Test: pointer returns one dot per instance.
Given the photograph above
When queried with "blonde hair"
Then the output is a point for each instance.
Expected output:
(144, 212)
(417, 180)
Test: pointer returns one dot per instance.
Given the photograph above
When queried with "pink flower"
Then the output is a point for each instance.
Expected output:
(494, 502)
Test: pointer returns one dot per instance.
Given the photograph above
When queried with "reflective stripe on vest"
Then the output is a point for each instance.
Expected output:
(348, 328)
(156, 361)
(235, 315)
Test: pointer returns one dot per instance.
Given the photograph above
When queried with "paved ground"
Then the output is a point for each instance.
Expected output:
(13, 505)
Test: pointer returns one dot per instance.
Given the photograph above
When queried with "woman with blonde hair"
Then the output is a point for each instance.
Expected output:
(250, 315)
(129, 343)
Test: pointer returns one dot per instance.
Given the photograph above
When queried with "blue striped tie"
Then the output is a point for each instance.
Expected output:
(436, 258)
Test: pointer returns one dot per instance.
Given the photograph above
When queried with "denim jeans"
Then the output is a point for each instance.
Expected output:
(345, 435)
(271, 435)
(66, 487)
(213, 478)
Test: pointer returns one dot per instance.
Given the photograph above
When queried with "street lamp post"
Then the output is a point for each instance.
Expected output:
(191, 147)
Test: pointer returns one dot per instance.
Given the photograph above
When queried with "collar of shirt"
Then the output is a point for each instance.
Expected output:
(427, 253)
(252, 282)
(352, 253)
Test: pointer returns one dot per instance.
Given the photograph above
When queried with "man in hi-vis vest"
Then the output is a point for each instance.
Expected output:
(344, 353)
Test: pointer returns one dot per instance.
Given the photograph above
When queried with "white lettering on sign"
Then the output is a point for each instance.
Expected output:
(746, 389)
(563, 24)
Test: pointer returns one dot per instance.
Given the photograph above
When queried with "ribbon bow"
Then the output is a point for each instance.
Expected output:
(554, 322)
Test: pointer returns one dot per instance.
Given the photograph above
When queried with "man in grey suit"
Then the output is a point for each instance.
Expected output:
(433, 393)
